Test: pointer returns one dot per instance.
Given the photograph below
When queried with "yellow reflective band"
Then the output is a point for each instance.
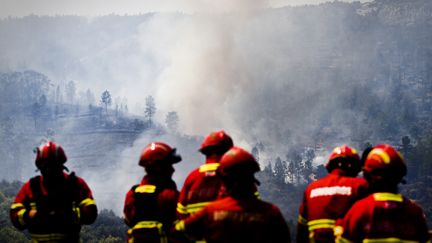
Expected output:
(342, 240)
(181, 209)
(87, 202)
(321, 221)
(17, 205)
(388, 197)
(180, 226)
(208, 167)
(192, 208)
(302, 220)
(148, 224)
(77, 212)
(48, 237)
(145, 189)
(388, 240)
(21, 216)
(321, 224)
(33, 205)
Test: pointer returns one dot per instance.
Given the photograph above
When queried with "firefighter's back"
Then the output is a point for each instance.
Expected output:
(244, 220)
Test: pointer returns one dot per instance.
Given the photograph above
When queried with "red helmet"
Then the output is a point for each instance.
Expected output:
(50, 154)
(157, 152)
(346, 158)
(384, 160)
(218, 140)
(237, 161)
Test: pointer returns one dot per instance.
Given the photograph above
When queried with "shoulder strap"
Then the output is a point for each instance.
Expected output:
(146, 201)
(35, 187)
(39, 199)
(72, 185)
(72, 177)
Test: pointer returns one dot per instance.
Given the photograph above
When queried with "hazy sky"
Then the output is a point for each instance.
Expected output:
(101, 7)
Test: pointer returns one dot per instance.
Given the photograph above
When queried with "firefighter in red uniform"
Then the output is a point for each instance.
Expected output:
(385, 215)
(329, 198)
(240, 216)
(55, 205)
(150, 207)
(202, 185)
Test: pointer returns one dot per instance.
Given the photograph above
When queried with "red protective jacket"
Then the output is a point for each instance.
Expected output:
(61, 208)
(383, 217)
(150, 210)
(237, 220)
(325, 201)
(201, 187)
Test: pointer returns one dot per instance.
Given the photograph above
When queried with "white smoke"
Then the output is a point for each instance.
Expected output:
(199, 76)
(230, 71)
(111, 184)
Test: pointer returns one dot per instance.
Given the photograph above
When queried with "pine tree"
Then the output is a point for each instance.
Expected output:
(106, 100)
(150, 109)
(280, 170)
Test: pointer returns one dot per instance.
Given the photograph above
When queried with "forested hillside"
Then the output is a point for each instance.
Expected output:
(288, 84)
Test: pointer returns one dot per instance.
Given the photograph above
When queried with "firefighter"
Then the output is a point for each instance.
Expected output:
(240, 216)
(385, 215)
(329, 198)
(150, 207)
(202, 185)
(53, 206)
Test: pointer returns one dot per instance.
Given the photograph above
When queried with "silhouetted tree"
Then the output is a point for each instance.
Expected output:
(309, 156)
(280, 170)
(295, 159)
(406, 145)
(90, 97)
(150, 109)
(38, 108)
(291, 173)
(58, 95)
(106, 100)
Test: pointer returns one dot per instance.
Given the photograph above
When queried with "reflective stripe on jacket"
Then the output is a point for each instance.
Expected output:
(383, 217)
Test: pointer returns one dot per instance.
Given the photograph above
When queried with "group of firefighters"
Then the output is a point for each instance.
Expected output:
(219, 200)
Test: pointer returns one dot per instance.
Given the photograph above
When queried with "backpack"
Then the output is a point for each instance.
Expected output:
(57, 211)
(148, 227)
